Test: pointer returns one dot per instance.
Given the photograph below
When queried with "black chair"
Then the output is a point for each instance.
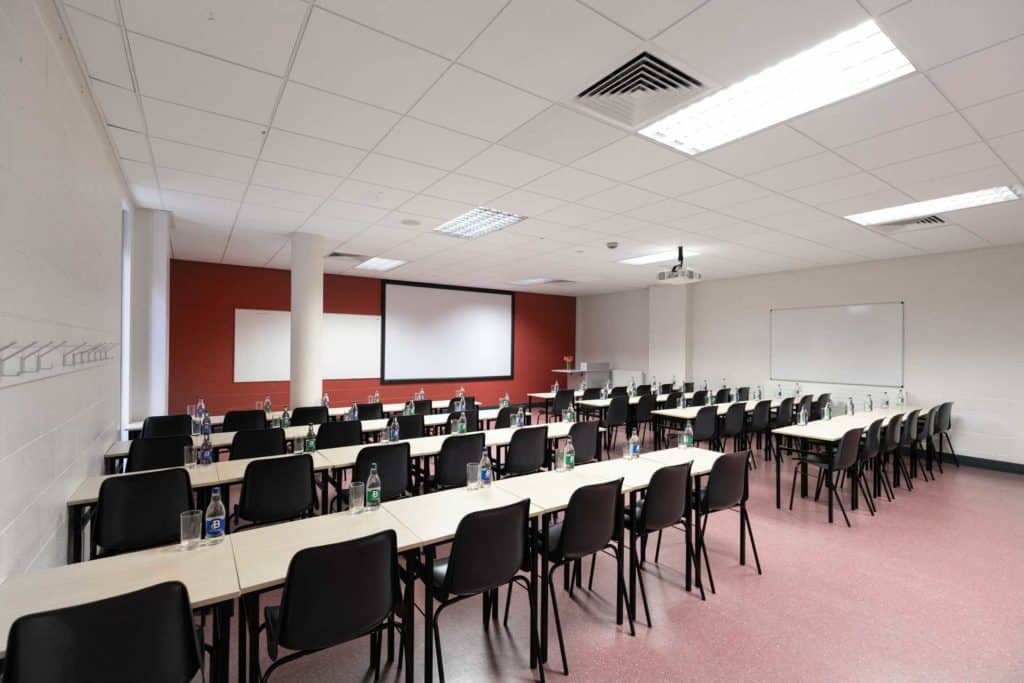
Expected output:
(370, 411)
(456, 452)
(667, 388)
(615, 417)
(818, 407)
(592, 521)
(699, 398)
(705, 427)
(723, 395)
(926, 444)
(943, 423)
(157, 453)
(564, 399)
(842, 459)
(239, 420)
(453, 404)
(586, 441)
(664, 505)
(166, 425)
(423, 406)
(734, 427)
(72, 644)
(393, 467)
(311, 415)
(140, 511)
(760, 426)
(410, 426)
(743, 394)
(890, 449)
(783, 418)
(806, 402)
(726, 489)
(488, 551)
(619, 391)
(257, 443)
(338, 434)
(908, 438)
(472, 421)
(504, 418)
(687, 387)
(643, 389)
(276, 490)
(868, 456)
(642, 413)
(336, 593)
(527, 451)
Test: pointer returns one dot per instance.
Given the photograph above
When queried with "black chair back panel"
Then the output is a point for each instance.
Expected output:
(586, 441)
(423, 406)
(142, 510)
(240, 420)
(818, 407)
(644, 407)
(687, 387)
(666, 388)
(410, 426)
(909, 433)
(667, 497)
(527, 450)
(370, 411)
(643, 389)
(618, 411)
(761, 416)
(944, 420)
(563, 399)
(705, 425)
(743, 394)
(393, 468)
(472, 421)
(166, 425)
(727, 482)
(277, 489)
(849, 446)
(735, 418)
(893, 433)
(453, 404)
(619, 391)
(591, 519)
(785, 415)
(488, 549)
(504, 418)
(456, 452)
(591, 393)
(339, 592)
(699, 398)
(72, 644)
(925, 433)
(872, 440)
(257, 443)
(806, 401)
(338, 434)
(310, 415)
(723, 395)
(157, 453)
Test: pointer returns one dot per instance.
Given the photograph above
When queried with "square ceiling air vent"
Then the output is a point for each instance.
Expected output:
(644, 88)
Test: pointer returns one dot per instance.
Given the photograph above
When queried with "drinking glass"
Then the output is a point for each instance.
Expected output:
(356, 497)
(191, 529)
(190, 456)
(627, 453)
(275, 423)
(472, 475)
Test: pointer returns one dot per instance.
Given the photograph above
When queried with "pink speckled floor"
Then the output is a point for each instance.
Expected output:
(929, 589)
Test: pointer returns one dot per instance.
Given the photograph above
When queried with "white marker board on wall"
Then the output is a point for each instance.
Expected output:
(263, 342)
(849, 344)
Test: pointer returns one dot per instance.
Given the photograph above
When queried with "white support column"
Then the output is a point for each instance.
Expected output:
(149, 260)
(307, 319)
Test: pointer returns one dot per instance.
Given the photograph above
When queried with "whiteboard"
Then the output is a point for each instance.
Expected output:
(850, 344)
(433, 332)
(263, 342)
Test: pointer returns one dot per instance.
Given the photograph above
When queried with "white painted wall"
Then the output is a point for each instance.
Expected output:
(613, 328)
(60, 247)
(149, 245)
(668, 353)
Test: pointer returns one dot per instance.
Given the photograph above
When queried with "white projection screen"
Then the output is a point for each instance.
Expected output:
(429, 333)
(852, 344)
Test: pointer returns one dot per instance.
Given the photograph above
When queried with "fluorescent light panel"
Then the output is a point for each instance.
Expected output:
(533, 281)
(660, 257)
(378, 263)
(956, 202)
(478, 222)
(853, 61)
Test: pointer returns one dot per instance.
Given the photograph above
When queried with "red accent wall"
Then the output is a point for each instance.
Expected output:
(204, 297)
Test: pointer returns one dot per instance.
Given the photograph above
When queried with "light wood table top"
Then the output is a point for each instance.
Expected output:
(701, 458)
(119, 449)
(208, 573)
(605, 402)
(201, 476)
(690, 412)
(833, 430)
(435, 517)
(218, 420)
(262, 554)
(549, 395)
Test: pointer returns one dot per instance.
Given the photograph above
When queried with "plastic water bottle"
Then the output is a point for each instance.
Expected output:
(421, 395)
(733, 395)
(869, 404)
(268, 407)
(705, 385)
(604, 392)
(555, 387)
(709, 399)
(309, 443)
(850, 410)
(206, 427)
(373, 488)
(197, 424)
(687, 441)
(570, 414)
(568, 456)
(796, 390)
(461, 405)
(376, 396)
(654, 386)
(583, 384)
(461, 428)
(901, 400)
(216, 518)
(778, 391)
(758, 394)
(505, 402)
(393, 432)
(354, 413)
(206, 451)
(634, 445)
(674, 382)
(485, 469)
(682, 402)
(286, 418)
(201, 406)
(885, 400)
(804, 416)
(520, 417)
(461, 392)
(828, 410)
(632, 387)
(410, 408)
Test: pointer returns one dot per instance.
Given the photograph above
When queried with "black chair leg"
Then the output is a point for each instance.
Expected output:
(558, 623)
(508, 599)
(657, 549)
(590, 583)
(792, 489)
(838, 499)
(952, 452)
(704, 551)
(643, 591)
(437, 650)
(753, 546)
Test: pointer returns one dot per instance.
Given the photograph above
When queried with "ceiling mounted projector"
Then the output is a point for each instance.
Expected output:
(679, 275)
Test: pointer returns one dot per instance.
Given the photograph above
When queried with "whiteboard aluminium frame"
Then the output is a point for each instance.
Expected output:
(903, 344)
(430, 285)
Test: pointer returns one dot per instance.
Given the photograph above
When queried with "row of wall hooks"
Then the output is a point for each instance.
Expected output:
(27, 358)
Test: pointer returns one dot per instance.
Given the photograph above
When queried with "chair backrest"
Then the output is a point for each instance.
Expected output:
(667, 388)
(672, 399)
(687, 387)
(563, 399)
(157, 453)
(166, 425)
(849, 446)
(667, 499)
(585, 441)
(504, 418)
(423, 406)
(337, 434)
(699, 398)
(140, 511)
(909, 433)
(872, 440)
(723, 395)
(591, 519)
(925, 433)
(619, 391)
(892, 434)
(72, 644)
(642, 412)
(410, 426)
(370, 411)
(818, 407)
(705, 425)
(806, 401)
(393, 468)
(727, 482)
(743, 394)
(643, 389)
(488, 549)
(785, 415)
(527, 450)
(335, 593)
(310, 415)
(457, 451)
(618, 411)
(277, 489)
(472, 421)
(761, 416)
(944, 420)
(453, 404)
(239, 420)
(591, 393)
(735, 419)
(257, 443)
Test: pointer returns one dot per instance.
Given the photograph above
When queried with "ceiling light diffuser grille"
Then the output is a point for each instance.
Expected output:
(478, 222)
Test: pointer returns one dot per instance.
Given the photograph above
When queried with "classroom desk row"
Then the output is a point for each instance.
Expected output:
(676, 418)
(245, 564)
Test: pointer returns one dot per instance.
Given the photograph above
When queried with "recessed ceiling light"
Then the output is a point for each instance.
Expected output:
(410, 221)
(906, 212)
(853, 61)
(378, 263)
(660, 257)
(533, 281)
(478, 222)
